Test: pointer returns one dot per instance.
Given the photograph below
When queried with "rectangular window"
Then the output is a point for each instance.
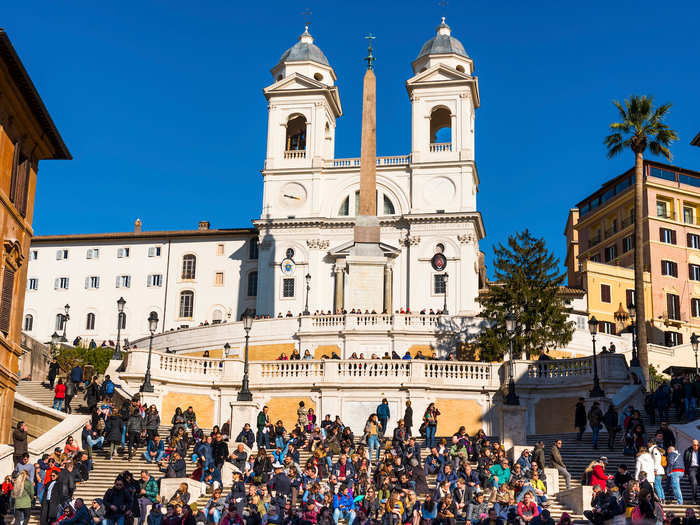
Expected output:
(61, 283)
(32, 283)
(219, 249)
(669, 268)
(33, 255)
(673, 306)
(688, 215)
(61, 255)
(668, 236)
(122, 252)
(8, 285)
(253, 248)
(287, 287)
(630, 298)
(627, 243)
(439, 284)
(663, 209)
(606, 327)
(694, 272)
(252, 284)
(153, 251)
(610, 253)
(695, 307)
(123, 281)
(605, 293)
(92, 282)
(673, 338)
(219, 279)
(154, 280)
(93, 253)
(186, 304)
(694, 241)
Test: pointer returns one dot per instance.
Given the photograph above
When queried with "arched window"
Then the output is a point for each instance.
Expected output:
(388, 206)
(296, 133)
(28, 322)
(441, 128)
(90, 321)
(344, 209)
(253, 284)
(217, 316)
(189, 266)
(59, 322)
(121, 320)
(186, 304)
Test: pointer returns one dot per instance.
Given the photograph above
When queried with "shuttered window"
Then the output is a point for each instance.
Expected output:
(605, 293)
(8, 284)
(630, 298)
(673, 306)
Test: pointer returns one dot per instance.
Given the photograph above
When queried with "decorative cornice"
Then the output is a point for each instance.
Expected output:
(466, 238)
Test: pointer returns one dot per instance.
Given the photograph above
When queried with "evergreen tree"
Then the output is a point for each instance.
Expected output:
(527, 284)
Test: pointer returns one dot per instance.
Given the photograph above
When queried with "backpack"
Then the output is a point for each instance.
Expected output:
(109, 388)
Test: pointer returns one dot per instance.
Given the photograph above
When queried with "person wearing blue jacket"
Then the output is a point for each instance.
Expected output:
(383, 414)
(343, 506)
(155, 449)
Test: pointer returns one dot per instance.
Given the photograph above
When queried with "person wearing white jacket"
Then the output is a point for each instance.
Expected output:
(645, 463)
(657, 453)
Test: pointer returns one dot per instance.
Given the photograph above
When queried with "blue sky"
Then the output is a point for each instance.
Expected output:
(161, 102)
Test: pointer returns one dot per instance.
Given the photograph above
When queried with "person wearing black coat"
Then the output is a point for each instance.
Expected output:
(134, 426)
(92, 394)
(113, 433)
(67, 481)
(81, 516)
(246, 436)
(408, 418)
(219, 449)
(580, 419)
(71, 390)
(53, 372)
(117, 501)
(50, 500)
(19, 441)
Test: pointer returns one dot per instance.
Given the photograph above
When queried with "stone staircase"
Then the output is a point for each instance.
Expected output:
(578, 454)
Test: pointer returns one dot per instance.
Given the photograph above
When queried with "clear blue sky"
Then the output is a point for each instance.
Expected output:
(160, 102)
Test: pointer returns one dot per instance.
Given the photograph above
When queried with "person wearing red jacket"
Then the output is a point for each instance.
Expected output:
(598, 475)
(59, 395)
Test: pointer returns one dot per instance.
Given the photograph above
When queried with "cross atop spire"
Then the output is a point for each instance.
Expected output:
(370, 57)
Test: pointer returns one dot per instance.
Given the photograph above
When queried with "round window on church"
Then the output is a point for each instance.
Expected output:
(318, 76)
(460, 69)
(439, 248)
(290, 253)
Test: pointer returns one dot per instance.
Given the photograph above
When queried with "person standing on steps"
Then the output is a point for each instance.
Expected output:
(580, 419)
(557, 462)
(408, 418)
(19, 441)
(691, 462)
(134, 426)
(675, 470)
(595, 416)
(430, 418)
(263, 424)
(610, 422)
(383, 413)
(53, 372)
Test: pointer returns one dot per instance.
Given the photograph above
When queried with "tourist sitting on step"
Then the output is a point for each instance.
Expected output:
(175, 467)
(215, 506)
(97, 512)
(155, 450)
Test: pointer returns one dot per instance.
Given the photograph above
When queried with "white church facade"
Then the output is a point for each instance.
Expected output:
(426, 204)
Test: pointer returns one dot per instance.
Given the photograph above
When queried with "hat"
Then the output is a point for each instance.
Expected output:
(277, 465)
(604, 459)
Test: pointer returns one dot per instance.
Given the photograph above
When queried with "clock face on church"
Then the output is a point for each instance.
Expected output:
(292, 195)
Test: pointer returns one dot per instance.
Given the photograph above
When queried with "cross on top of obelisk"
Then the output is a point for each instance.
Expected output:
(370, 57)
(306, 13)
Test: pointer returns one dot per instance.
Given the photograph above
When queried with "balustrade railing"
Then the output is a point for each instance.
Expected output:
(440, 147)
(295, 154)
(288, 369)
(393, 160)
(458, 370)
(328, 320)
(373, 369)
(181, 366)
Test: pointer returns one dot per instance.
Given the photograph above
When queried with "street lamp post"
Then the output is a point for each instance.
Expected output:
(445, 278)
(66, 317)
(55, 339)
(245, 394)
(120, 311)
(152, 325)
(635, 358)
(694, 339)
(512, 398)
(596, 391)
(308, 287)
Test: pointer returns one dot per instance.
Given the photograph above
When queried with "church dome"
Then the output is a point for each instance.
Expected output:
(442, 43)
(304, 50)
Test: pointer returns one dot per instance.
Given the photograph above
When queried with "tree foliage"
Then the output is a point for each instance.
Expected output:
(527, 284)
(98, 357)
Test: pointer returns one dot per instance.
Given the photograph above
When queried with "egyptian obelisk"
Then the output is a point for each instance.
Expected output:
(366, 262)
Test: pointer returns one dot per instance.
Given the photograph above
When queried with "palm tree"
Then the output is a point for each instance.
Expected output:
(641, 127)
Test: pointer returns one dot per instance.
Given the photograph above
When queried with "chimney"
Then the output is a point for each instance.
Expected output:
(203, 225)
(137, 226)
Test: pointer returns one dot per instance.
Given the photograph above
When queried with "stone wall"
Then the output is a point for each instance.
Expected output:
(285, 408)
(39, 419)
(202, 404)
(555, 415)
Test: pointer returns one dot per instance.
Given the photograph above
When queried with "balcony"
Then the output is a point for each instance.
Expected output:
(594, 241)
(392, 160)
(610, 232)
(295, 154)
(440, 147)
(627, 221)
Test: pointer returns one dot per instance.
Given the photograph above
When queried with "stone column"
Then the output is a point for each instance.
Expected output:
(339, 295)
(512, 425)
(388, 288)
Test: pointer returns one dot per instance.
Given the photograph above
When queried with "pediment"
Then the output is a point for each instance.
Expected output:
(295, 81)
(438, 73)
(343, 250)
